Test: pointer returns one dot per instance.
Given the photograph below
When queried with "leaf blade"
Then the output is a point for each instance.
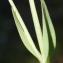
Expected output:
(22, 34)
(45, 39)
(50, 29)
(36, 24)
(29, 44)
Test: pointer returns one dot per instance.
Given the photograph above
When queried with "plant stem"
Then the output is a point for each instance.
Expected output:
(48, 61)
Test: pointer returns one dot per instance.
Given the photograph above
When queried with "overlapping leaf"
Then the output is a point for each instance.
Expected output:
(45, 38)
(23, 32)
(43, 41)
(36, 24)
(50, 28)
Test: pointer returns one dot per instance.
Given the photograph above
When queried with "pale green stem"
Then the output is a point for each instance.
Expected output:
(48, 61)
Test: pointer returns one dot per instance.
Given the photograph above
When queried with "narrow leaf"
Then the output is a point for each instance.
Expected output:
(50, 28)
(23, 35)
(23, 32)
(36, 24)
(45, 39)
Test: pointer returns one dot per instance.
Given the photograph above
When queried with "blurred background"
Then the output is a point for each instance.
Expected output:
(12, 49)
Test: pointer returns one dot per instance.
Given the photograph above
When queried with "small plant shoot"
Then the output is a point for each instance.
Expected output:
(46, 36)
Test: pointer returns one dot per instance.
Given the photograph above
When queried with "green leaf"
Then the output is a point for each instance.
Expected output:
(23, 32)
(42, 41)
(36, 24)
(23, 36)
(45, 39)
(50, 29)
